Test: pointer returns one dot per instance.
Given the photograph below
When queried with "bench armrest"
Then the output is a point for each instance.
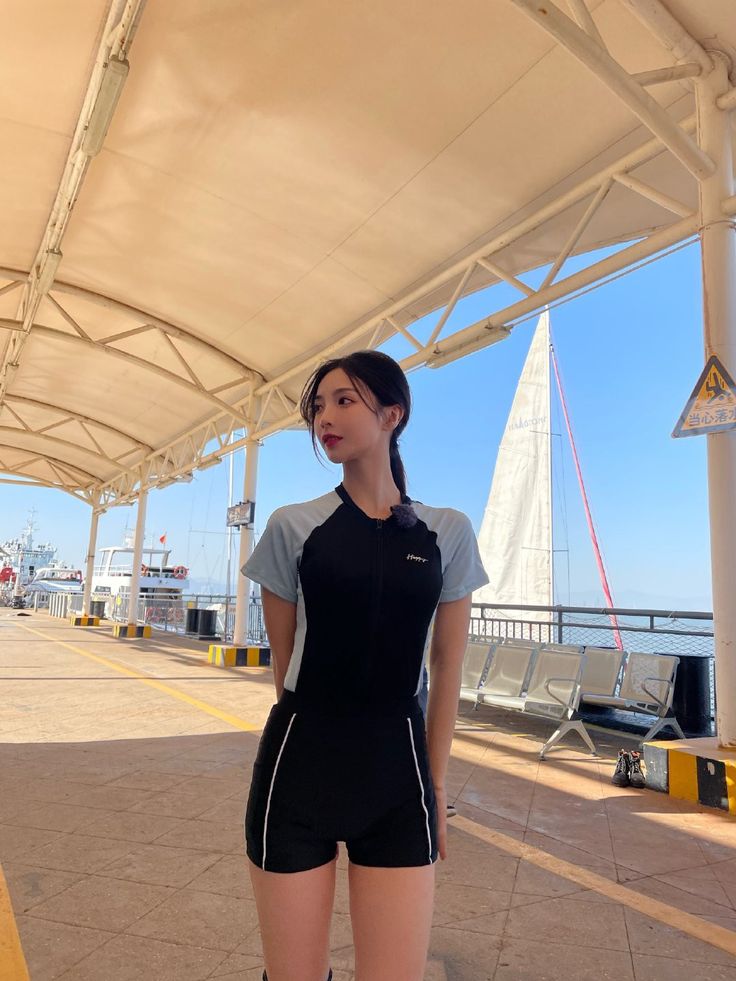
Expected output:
(573, 681)
(660, 681)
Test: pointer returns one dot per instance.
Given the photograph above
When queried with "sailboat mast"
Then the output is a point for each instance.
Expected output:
(588, 515)
(549, 466)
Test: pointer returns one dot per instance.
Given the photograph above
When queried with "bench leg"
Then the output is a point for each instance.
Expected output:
(662, 723)
(570, 726)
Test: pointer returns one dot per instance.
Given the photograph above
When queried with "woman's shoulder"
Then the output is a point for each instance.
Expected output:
(435, 516)
(316, 508)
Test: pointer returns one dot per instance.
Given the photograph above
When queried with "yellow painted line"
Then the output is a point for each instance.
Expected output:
(12, 962)
(709, 933)
(232, 720)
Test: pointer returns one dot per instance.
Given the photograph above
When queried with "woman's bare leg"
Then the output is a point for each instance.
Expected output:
(391, 911)
(294, 913)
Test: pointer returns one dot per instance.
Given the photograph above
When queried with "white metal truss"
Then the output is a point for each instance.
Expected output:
(117, 36)
(587, 48)
(142, 325)
(198, 448)
(61, 415)
(67, 476)
(265, 407)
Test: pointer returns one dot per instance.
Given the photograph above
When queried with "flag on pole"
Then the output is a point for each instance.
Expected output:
(162, 539)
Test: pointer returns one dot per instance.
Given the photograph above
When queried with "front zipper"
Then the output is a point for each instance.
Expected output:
(379, 577)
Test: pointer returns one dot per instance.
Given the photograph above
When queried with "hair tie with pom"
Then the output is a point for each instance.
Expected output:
(406, 516)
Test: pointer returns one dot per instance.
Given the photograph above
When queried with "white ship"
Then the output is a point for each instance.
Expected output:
(160, 579)
(20, 556)
(55, 579)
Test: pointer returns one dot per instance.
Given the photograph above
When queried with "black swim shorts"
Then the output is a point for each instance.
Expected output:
(355, 775)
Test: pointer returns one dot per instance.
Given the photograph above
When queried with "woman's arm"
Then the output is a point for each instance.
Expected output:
(280, 617)
(449, 641)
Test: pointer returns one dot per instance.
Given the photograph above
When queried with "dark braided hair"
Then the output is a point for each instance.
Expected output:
(386, 381)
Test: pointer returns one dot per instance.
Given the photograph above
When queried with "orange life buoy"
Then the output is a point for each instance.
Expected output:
(180, 572)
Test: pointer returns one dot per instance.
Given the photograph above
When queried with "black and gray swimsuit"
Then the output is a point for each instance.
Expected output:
(343, 755)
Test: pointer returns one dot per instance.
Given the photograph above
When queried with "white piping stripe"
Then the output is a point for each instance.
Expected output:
(421, 787)
(270, 789)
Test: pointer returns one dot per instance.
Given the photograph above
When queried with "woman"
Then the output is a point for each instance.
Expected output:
(350, 583)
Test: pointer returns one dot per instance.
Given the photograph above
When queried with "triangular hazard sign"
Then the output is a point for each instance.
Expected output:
(712, 406)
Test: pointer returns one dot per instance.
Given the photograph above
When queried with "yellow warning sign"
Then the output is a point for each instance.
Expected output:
(712, 406)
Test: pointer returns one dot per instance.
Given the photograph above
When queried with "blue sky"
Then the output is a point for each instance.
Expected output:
(629, 352)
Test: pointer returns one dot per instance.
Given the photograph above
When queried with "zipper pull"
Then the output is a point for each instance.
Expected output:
(379, 521)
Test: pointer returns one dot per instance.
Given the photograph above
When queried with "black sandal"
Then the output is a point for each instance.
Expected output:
(329, 976)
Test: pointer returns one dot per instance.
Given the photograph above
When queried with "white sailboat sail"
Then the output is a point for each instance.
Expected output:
(515, 537)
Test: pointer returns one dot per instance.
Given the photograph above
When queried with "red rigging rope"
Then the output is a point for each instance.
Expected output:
(588, 515)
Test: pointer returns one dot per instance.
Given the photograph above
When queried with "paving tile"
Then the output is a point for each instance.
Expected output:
(128, 958)
(489, 924)
(228, 876)
(162, 865)
(648, 936)
(654, 854)
(486, 819)
(649, 968)
(172, 805)
(29, 885)
(51, 948)
(703, 882)
(79, 853)
(468, 955)
(485, 867)
(456, 903)
(230, 812)
(236, 964)
(681, 899)
(536, 881)
(569, 853)
(580, 923)
(127, 826)
(207, 837)
(103, 904)
(106, 798)
(210, 789)
(254, 974)
(530, 960)
(52, 816)
(202, 919)
(155, 780)
(17, 844)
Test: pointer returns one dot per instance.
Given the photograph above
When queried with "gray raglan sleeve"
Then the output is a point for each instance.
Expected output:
(464, 570)
(273, 562)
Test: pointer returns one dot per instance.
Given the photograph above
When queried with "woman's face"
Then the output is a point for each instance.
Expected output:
(345, 426)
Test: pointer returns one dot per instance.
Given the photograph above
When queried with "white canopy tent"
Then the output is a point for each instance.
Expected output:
(203, 200)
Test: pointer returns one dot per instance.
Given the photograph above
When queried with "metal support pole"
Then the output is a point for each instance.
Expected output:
(135, 579)
(718, 252)
(242, 592)
(89, 571)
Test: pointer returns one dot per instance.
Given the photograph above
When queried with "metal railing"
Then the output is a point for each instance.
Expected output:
(170, 615)
(648, 631)
(677, 632)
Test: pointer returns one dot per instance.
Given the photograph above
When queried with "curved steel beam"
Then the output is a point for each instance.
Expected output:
(79, 417)
(77, 447)
(100, 299)
(670, 32)
(193, 389)
(143, 316)
(31, 482)
(64, 464)
(567, 33)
